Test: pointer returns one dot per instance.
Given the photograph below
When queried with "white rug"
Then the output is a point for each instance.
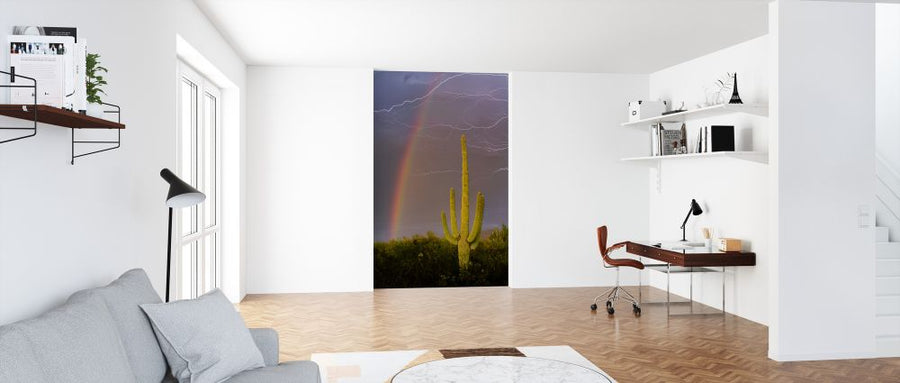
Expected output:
(381, 366)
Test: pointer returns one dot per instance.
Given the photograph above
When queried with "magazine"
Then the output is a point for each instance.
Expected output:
(50, 61)
(45, 31)
(671, 141)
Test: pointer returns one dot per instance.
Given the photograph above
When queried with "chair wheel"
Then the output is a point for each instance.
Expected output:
(636, 309)
(610, 310)
(594, 307)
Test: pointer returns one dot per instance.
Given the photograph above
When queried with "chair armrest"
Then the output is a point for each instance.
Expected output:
(266, 340)
(622, 262)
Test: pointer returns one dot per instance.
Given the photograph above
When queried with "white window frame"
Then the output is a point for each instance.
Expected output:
(204, 87)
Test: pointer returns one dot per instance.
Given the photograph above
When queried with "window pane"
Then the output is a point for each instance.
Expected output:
(188, 145)
(188, 270)
(209, 263)
(209, 159)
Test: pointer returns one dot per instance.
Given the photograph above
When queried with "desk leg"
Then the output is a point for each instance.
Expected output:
(691, 293)
(723, 290)
(640, 283)
(668, 276)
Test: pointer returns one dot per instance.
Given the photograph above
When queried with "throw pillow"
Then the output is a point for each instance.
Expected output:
(204, 339)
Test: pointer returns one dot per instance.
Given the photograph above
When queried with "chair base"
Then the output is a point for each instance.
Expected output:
(612, 295)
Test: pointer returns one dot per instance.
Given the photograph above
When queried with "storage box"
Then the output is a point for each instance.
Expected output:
(729, 244)
(639, 110)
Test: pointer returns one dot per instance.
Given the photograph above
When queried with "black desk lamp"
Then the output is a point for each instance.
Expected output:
(695, 210)
(181, 194)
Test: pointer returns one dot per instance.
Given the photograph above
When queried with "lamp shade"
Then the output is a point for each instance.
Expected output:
(181, 194)
(695, 208)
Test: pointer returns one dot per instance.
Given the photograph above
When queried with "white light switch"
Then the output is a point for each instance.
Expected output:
(865, 217)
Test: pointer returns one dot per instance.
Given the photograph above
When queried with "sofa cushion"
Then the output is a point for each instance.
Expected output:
(17, 361)
(122, 298)
(76, 342)
(291, 372)
(204, 339)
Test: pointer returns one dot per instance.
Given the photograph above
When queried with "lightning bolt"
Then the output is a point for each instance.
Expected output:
(432, 91)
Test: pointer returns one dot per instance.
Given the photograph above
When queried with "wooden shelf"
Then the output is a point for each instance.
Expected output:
(710, 111)
(56, 116)
(761, 157)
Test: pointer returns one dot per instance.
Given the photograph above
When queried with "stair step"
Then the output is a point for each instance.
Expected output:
(887, 346)
(887, 305)
(881, 234)
(887, 250)
(887, 267)
(887, 286)
(887, 325)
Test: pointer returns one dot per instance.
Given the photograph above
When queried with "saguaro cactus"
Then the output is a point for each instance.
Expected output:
(466, 239)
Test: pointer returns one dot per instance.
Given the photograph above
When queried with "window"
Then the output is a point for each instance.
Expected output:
(197, 260)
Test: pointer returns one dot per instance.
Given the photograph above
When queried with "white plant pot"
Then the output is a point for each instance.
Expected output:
(96, 110)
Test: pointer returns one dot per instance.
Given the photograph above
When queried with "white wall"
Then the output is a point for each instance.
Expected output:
(733, 193)
(887, 106)
(887, 86)
(565, 177)
(310, 143)
(309, 180)
(822, 290)
(63, 227)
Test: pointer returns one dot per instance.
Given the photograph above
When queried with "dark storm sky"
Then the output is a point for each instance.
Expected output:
(445, 106)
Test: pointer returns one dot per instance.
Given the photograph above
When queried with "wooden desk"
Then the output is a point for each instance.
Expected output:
(687, 259)
(690, 257)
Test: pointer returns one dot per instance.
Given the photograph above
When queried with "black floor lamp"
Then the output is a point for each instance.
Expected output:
(181, 194)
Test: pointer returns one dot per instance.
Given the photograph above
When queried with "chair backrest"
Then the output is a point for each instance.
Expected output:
(602, 236)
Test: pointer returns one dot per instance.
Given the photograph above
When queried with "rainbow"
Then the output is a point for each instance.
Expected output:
(406, 161)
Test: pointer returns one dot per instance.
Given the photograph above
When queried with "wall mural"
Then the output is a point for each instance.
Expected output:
(441, 179)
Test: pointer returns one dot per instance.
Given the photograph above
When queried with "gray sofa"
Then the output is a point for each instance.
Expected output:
(101, 335)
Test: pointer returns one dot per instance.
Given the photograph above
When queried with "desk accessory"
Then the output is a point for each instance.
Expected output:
(181, 194)
(695, 210)
(640, 109)
(729, 244)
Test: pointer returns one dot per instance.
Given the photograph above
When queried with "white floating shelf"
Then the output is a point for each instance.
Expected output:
(710, 111)
(761, 157)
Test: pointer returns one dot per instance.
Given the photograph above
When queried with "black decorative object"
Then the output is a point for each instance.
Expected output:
(735, 97)
(181, 194)
(722, 138)
(695, 210)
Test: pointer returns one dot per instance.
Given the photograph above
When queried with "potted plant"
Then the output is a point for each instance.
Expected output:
(94, 73)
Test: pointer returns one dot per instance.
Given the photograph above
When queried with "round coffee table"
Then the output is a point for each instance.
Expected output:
(496, 369)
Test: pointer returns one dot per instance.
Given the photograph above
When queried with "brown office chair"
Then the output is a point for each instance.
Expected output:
(612, 295)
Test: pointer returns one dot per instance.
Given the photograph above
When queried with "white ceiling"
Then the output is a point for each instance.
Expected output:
(616, 36)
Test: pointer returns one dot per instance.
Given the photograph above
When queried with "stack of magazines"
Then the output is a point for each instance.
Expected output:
(55, 59)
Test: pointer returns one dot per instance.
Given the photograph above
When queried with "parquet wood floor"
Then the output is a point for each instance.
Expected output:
(650, 348)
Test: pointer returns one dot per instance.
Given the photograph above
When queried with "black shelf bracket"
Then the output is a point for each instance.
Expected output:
(33, 86)
(114, 144)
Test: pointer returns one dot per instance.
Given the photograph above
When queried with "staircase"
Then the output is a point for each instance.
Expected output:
(887, 261)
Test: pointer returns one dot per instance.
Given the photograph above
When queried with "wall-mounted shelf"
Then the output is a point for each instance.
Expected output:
(56, 116)
(760, 157)
(35, 113)
(694, 114)
(69, 119)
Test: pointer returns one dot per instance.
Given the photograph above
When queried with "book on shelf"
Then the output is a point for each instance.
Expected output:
(654, 140)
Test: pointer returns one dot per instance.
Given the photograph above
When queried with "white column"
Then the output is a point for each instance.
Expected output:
(822, 144)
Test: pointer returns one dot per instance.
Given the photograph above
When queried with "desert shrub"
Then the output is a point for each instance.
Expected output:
(430, 261)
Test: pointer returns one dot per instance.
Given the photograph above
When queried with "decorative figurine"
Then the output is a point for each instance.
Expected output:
(735, 98)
